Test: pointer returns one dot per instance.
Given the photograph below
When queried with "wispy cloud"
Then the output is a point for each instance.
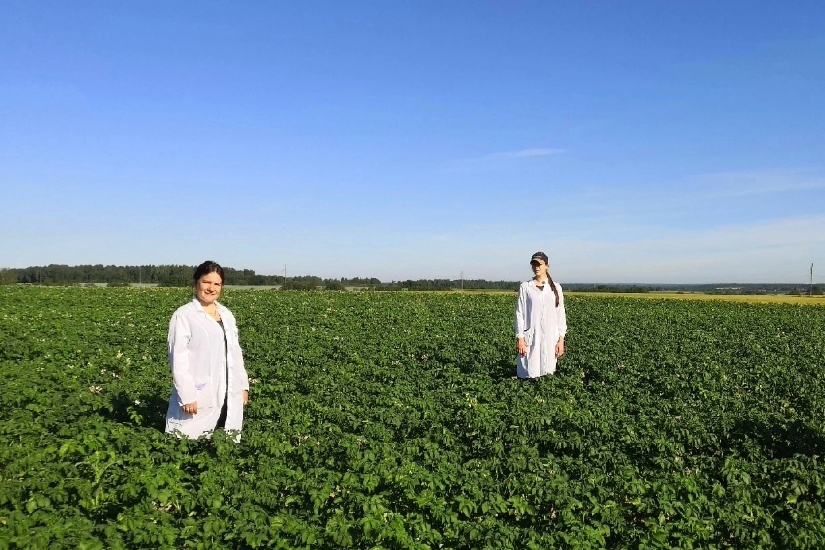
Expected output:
(778, 250)
(524, 153)
(698, 199)
(740, 184)
(519, 154)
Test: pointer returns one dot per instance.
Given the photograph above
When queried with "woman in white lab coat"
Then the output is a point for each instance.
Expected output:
(210, 386)
(541, 323)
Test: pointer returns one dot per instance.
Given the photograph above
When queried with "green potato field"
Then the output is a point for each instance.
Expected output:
(393, 421)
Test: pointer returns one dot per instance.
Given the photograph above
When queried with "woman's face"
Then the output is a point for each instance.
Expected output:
(208, 288)
(539, 268)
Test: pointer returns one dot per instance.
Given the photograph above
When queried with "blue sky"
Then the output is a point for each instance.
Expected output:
(648, 142)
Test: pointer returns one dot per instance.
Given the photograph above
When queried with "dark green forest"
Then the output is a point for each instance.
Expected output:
(181, 275)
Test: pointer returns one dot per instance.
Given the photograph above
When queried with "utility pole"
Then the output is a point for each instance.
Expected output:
(284, 273)
(811, 282)
(462, 280)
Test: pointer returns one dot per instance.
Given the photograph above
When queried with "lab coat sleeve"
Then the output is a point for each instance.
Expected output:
(521, 311)
(237, 354)
(179, 335)
(244, 377)
(561, 315)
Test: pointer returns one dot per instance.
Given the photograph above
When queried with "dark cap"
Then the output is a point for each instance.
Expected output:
(540, 256)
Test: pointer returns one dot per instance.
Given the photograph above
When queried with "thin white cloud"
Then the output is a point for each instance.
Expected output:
(778, 250)
(519, 154)
(524, 153)
(700, 198)
(741, 184)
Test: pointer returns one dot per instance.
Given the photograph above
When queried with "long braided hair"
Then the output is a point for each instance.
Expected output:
(553, 286)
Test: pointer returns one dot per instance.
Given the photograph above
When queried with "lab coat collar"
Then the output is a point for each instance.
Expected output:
(200, 308)
(536, 286)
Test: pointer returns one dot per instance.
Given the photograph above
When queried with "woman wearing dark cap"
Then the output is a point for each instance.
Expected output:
(210, 384)
(541, 323)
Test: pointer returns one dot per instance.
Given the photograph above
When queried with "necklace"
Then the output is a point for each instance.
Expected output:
(214, 312)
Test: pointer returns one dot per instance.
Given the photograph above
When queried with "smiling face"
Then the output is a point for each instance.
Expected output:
(208, 288)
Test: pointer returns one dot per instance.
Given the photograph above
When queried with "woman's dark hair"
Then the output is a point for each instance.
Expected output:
(205, 268)
(552, 285)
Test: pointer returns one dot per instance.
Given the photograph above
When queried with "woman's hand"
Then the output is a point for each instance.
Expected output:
(521, 347)
(191, 408)
(245, 396)
(560, 347)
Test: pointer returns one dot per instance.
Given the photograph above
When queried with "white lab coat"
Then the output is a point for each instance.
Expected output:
(541, 324)
(199, 360)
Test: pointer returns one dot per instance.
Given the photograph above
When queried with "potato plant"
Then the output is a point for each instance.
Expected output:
(393, 421)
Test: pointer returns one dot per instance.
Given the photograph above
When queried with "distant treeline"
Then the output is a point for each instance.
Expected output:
(164, 275)
(167, 275)
(181, 275)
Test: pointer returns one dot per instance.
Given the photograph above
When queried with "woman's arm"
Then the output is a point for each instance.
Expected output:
(561, 323)
(520, 323)
(242, 377)
(178, 340)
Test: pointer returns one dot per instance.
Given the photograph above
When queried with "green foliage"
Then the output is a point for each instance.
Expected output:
(392, 420)
(7, 276)
(163, 275)
(302, 283)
